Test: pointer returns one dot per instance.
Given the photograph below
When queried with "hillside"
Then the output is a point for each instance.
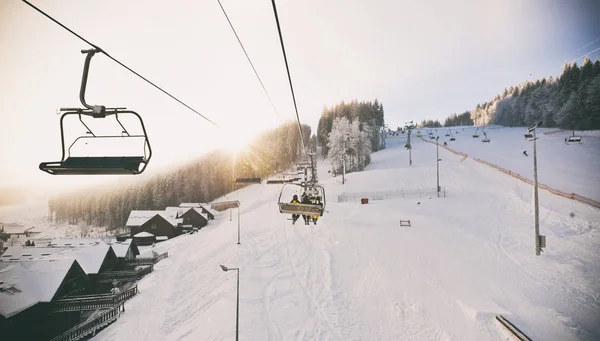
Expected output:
(358, 275)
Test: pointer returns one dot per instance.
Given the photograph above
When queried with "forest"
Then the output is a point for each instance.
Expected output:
(203, 180)
(370, 118)
(570, 101)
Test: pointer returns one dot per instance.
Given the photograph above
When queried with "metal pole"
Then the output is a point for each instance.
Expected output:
(535, 198)
(409, 148)
(238, 225)
(237, 308)
(437, 161)
(231, 209)
(344, 165)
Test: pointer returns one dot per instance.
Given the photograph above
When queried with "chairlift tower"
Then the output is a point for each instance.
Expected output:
(540, 240)
(410, 126)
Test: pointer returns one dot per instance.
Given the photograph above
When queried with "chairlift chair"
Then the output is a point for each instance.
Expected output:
(313, 190)
(452, 138)
(105, 165)
(572, 139)
(528, 136)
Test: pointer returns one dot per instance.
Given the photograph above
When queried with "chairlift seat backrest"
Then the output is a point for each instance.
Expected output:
(528, 136)
(573, 139)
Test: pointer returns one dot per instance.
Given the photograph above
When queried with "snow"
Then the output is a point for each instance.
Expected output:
(358, 275)
(89, 257)
(121, 248)
(138, 218)
(36, 281)
(144, 234)
(569, 168)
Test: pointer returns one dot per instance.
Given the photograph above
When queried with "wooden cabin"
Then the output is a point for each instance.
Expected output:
(27, 290)
(192, 216)
(157, 223)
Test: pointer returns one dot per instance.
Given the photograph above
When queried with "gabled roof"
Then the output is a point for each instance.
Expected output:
(27, 283)
(206, 206)
(138, 218)
(180, 211)
(121, 248)
(17, 289)
(90, 258)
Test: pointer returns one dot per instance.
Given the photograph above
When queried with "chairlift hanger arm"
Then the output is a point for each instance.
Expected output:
(97, 110)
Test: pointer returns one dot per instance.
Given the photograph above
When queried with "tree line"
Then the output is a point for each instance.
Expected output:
(369, 115)
(570, 101)
(203, 180)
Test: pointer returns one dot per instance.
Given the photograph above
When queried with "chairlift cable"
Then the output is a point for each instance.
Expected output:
(289, 76)
(118, 62)
(250, 61)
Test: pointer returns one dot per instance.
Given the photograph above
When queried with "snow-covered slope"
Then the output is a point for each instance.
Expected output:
(572, 168)
(358, 275)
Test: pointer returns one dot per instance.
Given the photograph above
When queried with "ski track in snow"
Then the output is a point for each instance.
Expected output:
(358, 275)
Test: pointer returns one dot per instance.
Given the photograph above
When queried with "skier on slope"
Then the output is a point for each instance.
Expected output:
(525, 153)
(295, 216)
(306, 200)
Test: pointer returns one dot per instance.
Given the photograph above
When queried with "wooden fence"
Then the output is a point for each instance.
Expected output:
(125, 276)
(90, 326)
(383, 195)
(93, 302)
(148, 260)
(572, 196)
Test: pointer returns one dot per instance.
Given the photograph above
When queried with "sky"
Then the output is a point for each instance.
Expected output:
(421, 59)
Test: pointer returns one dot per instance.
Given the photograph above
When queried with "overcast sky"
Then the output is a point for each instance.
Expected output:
(420, 58)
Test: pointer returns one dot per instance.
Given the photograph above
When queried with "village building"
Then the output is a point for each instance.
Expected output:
(205, 208)
(157, 223)
(28, 288)
(192, 216)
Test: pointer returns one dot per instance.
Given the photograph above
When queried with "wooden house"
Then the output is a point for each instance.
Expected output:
(126, 251)
(93, 260)
(144, 238)
(157, 223)
(192, 216)
(27, 290)
(204, 208)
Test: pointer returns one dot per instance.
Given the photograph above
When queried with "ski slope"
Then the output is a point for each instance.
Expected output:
(571, 168)
(358, 275)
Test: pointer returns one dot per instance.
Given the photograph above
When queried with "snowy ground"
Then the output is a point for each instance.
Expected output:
(358, 275)
(572, 168)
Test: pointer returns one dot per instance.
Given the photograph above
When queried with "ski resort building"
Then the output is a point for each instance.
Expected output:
(28, 290)
(157, 223)
(192, 216)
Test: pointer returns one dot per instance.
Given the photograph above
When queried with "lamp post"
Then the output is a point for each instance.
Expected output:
(437, 157)
(540, 241)
(237, 305)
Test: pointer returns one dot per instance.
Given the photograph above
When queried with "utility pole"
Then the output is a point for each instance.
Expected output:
(540, 241)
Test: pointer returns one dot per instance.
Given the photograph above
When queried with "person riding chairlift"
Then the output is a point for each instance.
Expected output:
(316, 217)
(295, 216)
(306, 200)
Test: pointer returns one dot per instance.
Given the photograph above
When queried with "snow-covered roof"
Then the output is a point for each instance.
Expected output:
(15, 228)
(27, 283)
(182, 210)
(121, 248)
(138, 218)
(90, 258)
(144, 234)
(75, 242)
(162, 238)
(194, 204)
(17, 289)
